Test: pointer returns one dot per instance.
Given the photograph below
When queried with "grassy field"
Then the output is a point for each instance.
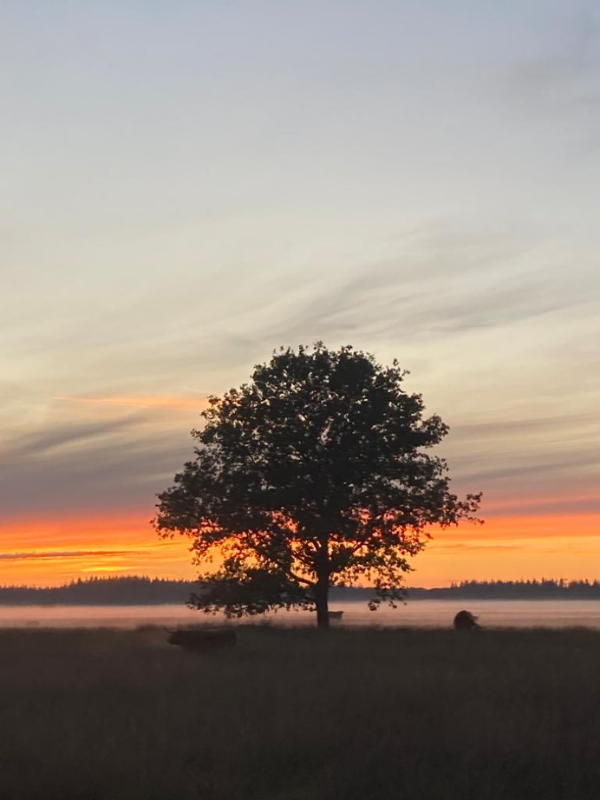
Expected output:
(297, 715)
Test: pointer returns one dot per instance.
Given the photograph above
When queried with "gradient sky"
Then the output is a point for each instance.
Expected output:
(187, 185)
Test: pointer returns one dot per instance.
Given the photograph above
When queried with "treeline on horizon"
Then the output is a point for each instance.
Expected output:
(122, 591)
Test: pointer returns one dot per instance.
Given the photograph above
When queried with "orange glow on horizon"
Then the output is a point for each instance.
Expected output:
(509, 547)
(81, 546)
(512, 548)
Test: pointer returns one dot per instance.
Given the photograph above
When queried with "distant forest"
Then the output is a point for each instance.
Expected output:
(159, 591)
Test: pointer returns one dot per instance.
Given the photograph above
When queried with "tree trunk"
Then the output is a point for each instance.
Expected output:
(322, 600)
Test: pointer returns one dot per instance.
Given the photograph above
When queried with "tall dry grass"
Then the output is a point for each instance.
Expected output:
(297, 715)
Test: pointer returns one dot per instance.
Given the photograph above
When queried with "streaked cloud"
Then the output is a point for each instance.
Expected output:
(61, 555)
(195, 402)
(114, 463)
(565, 80)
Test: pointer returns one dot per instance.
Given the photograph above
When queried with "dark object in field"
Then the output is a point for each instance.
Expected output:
(336, 615)
(201, 641)
(465, 621)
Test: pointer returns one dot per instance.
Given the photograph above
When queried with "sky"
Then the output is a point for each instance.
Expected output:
(186, 186)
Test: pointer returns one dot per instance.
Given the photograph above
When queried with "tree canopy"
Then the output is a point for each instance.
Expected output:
(315, 473)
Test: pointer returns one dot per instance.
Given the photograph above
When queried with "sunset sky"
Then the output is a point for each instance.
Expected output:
(188, 185)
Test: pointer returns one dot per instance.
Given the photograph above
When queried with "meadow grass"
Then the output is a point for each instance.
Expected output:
(294, 714)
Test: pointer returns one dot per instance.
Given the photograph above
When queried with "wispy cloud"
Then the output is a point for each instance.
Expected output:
(479, 547)
(158, 402)
(561, 85)
(110, 464)
(445, 282)
(38, 443)
(61, 555)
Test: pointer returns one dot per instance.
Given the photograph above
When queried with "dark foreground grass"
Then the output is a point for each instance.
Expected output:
(295, 715)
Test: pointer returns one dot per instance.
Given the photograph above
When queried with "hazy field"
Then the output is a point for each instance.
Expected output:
(415, 614)
(295, 715)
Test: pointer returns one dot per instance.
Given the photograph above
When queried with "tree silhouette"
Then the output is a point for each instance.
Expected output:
(312, 475)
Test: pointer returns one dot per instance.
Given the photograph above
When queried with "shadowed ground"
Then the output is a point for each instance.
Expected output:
(297, 715)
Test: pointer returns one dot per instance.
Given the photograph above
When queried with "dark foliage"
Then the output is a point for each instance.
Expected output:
(145, 591)
(249, 590)
(119, 591)
(513, 590)
(313, 474)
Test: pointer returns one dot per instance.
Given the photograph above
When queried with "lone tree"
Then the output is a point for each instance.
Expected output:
(312, 475)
